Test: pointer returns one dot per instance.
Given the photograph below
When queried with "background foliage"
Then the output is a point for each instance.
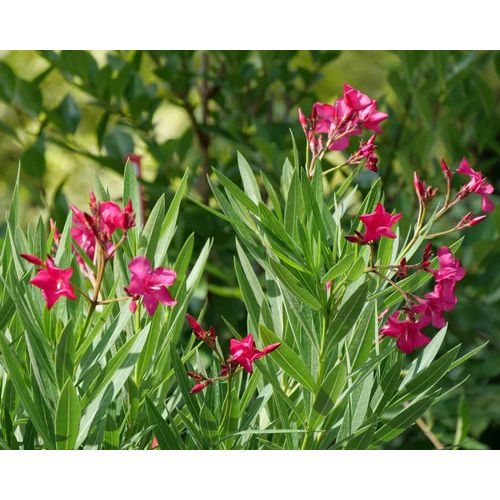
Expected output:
(196, 109)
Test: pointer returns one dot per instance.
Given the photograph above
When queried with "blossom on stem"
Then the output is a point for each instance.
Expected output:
(346, 117)
(406, 331)
(53, 281)
(379, 223)
(449, 267)
(477, 184)
(98, 226)
(151, 284)
(245, 353)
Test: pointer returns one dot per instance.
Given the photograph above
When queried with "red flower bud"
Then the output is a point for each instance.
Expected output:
(476, 220)
(446, 170)
(419, 186)
(200, 387)
(302, 120)
(33, 259)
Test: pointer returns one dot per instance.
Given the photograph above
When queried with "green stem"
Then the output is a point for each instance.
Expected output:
(418, 230)
(333, 169)
(83, 331)
(435, 235)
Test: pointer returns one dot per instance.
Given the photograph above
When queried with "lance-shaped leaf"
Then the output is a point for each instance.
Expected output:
(288, 360)
(67, 417)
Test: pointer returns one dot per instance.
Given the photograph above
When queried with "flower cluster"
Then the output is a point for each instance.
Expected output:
(242, 353)
(98, 227)
(430, 308)
(329, 127)
(93, 233)
(419, 313)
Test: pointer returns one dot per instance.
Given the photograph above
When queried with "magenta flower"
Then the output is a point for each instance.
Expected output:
(244, 352)
(449, 267)
(477, 184)
(355, 99)
(346, 117)
(379, 223)
(98, 227)
(82, 235)
(53, 281)
(151, 284)
(407, 332)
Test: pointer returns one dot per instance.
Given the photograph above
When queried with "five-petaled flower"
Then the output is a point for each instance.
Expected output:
(53, 281)
(151, 284)
(244, 352)
(407, 332)
(477, 184)
(379, 223)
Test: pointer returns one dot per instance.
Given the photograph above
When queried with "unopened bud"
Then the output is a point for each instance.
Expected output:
(446, 170)
(302, 120)
(476, 220)
(419, 186)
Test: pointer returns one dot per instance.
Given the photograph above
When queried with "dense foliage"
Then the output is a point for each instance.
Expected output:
(441, 105)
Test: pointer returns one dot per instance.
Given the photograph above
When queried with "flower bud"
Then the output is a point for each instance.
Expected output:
(446, 170)
(302, 120)
(33, 259)
(476, 220)
(419, 187)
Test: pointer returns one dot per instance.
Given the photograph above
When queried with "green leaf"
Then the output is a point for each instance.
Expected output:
(341, 267)
(110, 382)
(67, 418)
(328, 393)
(65, 356)
(68, 115)
(287, 359)
(118, 144)
(431, 375)
(249, 182)
(132, 191)
(183, 383)
(166, 438)
(237, 193)
(403, 419)
(290, 282)
(346, 316)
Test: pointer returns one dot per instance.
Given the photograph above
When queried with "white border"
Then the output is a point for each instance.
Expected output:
(273, 475)
(259, 24)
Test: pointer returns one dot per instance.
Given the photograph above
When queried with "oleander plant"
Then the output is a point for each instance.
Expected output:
(103, 344)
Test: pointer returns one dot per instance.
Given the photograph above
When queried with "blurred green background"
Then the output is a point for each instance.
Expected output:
(70, 115)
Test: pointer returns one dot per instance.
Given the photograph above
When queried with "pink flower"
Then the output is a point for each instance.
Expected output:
(477, 184)
(154, 443)
(53, 281)
(379, 223)
(105, 218)
(82, 235)
(151, 284)
(407, 332)
(371, 118)
(355, 99)
(244, 352)
(449, 267)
